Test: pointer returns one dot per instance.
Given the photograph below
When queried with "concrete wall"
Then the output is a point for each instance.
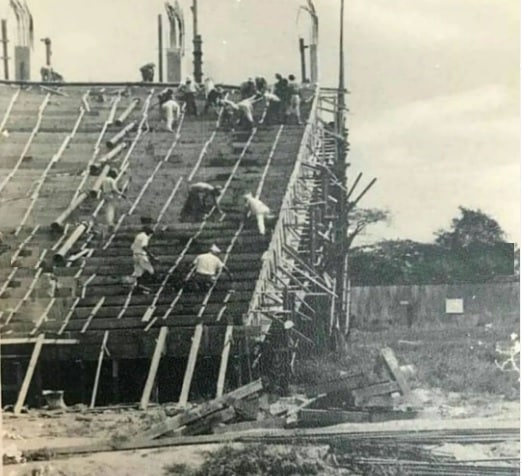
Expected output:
(498, 303)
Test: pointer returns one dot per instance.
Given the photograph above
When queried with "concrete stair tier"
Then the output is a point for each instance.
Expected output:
(156, 162)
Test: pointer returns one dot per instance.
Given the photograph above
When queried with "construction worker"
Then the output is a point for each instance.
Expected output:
(189, 90)
(247, 89)
(201, 198)
(141, 256)
(147, 72)
(294, 99)
(261, 85)
(213, 99)
(207, 268)
(170, 108)
(257, 208)
(280, 89)
(110, 193)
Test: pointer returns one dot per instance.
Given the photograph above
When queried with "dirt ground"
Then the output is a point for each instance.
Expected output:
(38, 429)
(456, 378)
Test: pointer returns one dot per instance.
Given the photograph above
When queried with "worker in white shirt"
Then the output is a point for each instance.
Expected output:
(257, 208)
(110, 193)
(141, 255)
(202, 197)
(170, 108)
(207, 268)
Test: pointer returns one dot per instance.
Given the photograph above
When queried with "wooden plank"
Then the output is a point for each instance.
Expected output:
(191, 364)
(32, 340)
(98, 369)
(201, 411)
(29, 374)
(92, 314)
(338, 385)
(224, 361)
(206, 424)
(331, 417)
(273, 422)
(393, 365)
(153, 370)
(382, 388)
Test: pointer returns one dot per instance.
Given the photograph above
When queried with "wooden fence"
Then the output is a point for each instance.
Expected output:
(435, 305)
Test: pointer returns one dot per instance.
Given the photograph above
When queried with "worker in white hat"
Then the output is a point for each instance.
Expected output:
(207, 268)
(257, 208)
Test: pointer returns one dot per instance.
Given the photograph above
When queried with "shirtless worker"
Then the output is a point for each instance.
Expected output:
(141, 256)
(201, 198)
(207, 268)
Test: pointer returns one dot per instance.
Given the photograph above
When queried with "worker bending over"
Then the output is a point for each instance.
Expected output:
(202, 197)
(141, 256)
(257, 208)
(207, 268)
(110, 194)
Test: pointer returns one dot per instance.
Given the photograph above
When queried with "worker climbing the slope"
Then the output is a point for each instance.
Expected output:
(207, 268)
(248, 89)
(213, 99)
(170, 108)
(141, 256)
(257, 208)
(202, 197)
(110, 194)
(189, 90)
(294, 99)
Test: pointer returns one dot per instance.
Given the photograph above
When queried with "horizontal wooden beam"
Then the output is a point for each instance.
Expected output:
(32, 340)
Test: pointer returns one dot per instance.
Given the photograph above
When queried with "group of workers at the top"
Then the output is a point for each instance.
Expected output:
(283, 101)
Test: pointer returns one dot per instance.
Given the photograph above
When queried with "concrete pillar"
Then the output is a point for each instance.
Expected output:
(174, 73)
(22, 59)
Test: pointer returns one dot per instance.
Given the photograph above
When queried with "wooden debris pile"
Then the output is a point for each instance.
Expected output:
(357, 398)
(352, 398)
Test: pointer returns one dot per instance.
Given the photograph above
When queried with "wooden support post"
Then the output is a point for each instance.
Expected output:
(153, 370)
(160, 49)
(393, 365)
(5, 49)
(29, 374)
(313, 236)
(224, 362)
(98, 369)
(115, 380)
(191, 364)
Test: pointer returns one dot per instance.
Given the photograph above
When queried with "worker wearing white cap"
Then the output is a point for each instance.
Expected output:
(259, 210)
(141, 255)
(207, 267)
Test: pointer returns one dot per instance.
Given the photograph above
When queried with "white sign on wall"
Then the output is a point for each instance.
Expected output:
(454, 306)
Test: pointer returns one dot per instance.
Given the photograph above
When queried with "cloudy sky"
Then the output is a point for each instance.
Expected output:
(434, 103)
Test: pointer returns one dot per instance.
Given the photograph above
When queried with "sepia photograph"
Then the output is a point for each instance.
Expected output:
(260, 238)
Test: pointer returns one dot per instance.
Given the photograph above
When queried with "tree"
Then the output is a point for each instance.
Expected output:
(471, 227)
(359, 219)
